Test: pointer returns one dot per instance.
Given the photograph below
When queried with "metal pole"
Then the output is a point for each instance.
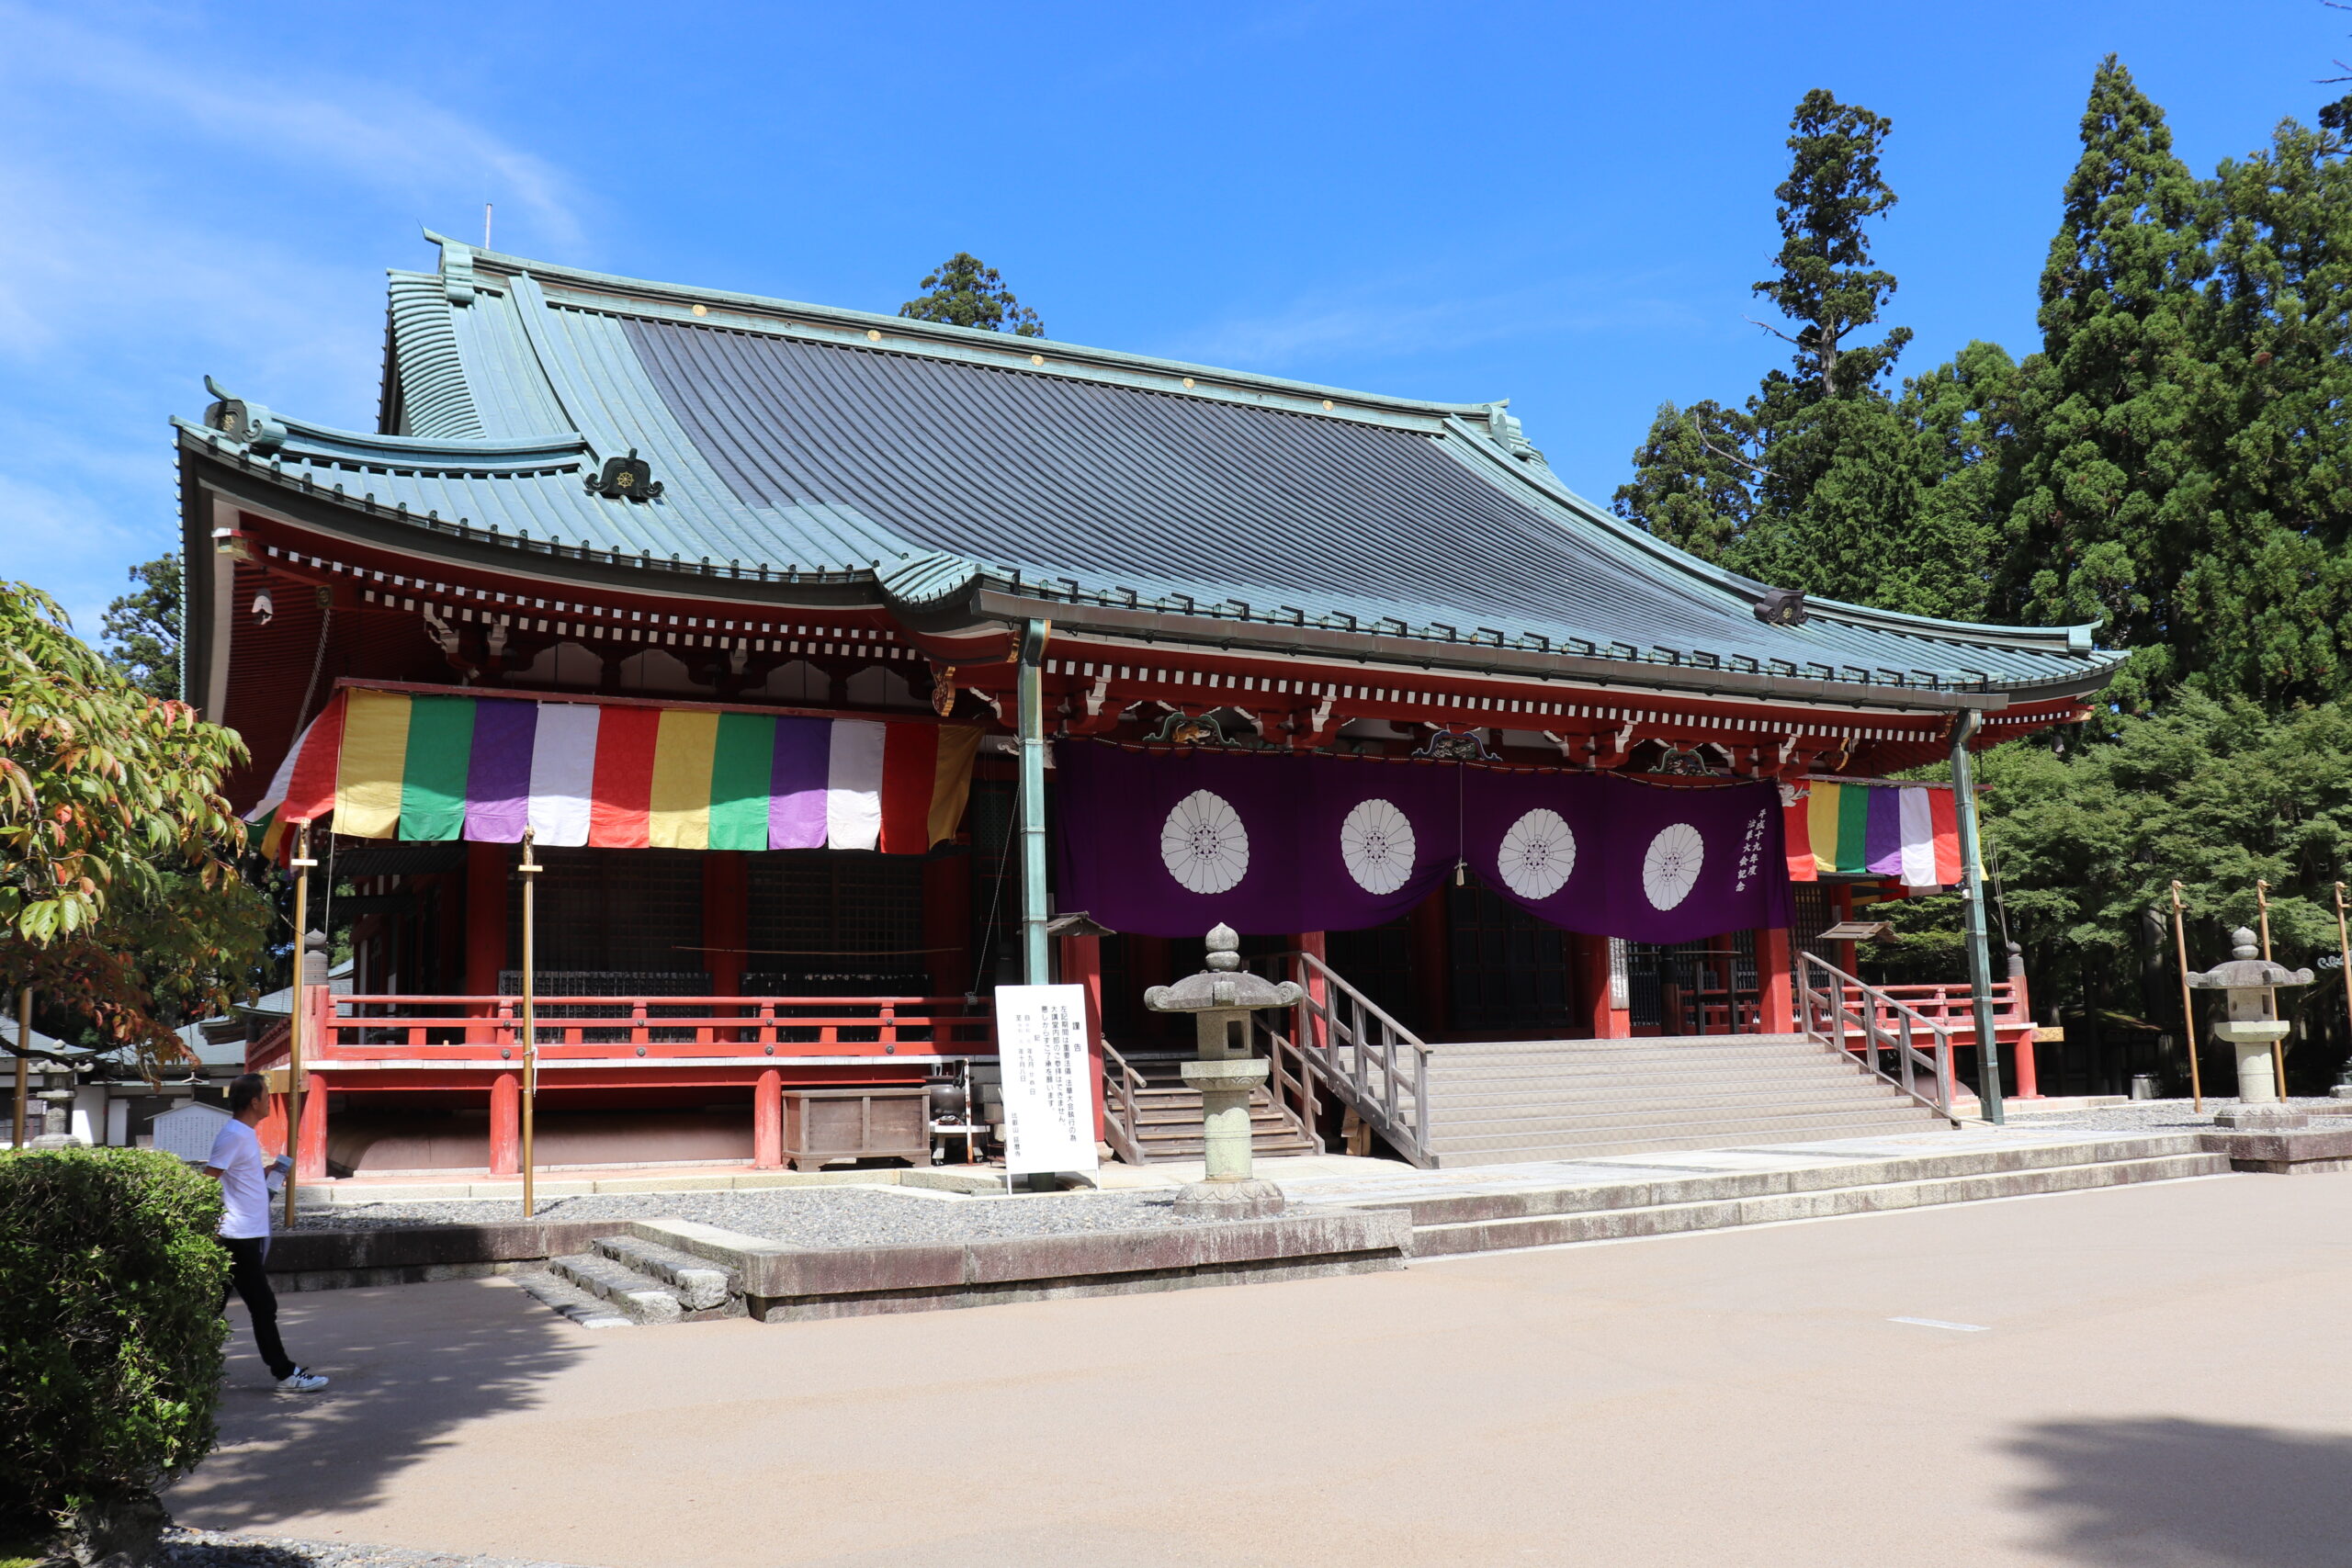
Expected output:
(24, 1064)
(2344, 953)
(2262, 907)
(1972, 897)
(530, 870)
(2187, 1012)
(302, 863)
(1031, 715)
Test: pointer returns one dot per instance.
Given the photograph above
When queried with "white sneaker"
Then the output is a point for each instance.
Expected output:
(301, 1379)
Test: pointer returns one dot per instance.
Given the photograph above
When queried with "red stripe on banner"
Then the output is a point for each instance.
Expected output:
(1796, 835)
(1945, 817)
(310, 789)
(910, 757)
(623, 786)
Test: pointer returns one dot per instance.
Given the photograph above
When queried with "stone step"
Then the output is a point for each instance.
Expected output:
(1583, 1122)
(1727, 1132)
(1783, 1059)
(1607, 1097)
(700, 1285)
(641, 1298)
(1653, 1142)
(1648, 1188)
(587, 1310)
(1554, 1229)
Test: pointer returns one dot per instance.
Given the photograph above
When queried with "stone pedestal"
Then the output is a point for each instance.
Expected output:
(2258, 1072)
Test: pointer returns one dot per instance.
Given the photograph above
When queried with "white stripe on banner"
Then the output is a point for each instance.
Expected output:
(854, 786)
(282, 780)
(563, 773)
(1918, 838)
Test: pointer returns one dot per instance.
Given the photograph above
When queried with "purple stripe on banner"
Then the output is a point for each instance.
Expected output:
(797, 794)
(498, 783)
(1882, 833)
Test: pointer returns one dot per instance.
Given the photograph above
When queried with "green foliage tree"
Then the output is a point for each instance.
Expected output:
(1691, 479)
(111, 1340)
(2114, 499)
(143, 628)
(966, 293)
(118, 887)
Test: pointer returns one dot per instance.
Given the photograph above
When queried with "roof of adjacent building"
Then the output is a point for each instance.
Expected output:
(928, 460)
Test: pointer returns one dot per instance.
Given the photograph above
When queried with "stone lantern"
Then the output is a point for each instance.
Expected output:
(2253, 1027)
(1221, 998)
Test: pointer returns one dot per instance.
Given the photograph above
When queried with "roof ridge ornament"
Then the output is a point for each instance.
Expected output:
(624, 478)
(1781, 607)
(248, 423)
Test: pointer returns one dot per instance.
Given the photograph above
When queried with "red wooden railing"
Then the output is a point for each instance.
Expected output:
(656, 1029)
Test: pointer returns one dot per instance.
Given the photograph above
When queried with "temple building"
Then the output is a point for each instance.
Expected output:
(841, 667)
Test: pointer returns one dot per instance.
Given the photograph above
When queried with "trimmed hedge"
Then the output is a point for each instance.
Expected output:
(111, 1326)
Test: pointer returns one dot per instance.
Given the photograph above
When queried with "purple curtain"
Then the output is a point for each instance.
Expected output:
(1171, 844)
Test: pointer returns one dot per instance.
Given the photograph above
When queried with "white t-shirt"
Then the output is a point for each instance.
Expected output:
(245, 1188)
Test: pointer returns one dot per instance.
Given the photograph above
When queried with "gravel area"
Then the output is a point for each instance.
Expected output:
(209, 1548)
(2153, 1115)
(804, 1216)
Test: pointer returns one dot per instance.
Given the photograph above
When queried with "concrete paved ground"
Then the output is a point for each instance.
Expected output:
(2163, 1380)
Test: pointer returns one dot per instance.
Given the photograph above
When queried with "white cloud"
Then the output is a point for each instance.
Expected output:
(184, 201)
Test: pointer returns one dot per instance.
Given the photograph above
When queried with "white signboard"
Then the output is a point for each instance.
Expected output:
(1048, 1078)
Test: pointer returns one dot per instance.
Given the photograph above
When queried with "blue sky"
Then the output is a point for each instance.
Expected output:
(1560, 204)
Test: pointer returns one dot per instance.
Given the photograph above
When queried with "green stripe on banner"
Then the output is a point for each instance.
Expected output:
(738, 781)
(1853, 828)
(433, 776)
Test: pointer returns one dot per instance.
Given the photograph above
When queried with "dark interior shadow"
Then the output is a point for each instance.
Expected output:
(2177, 1494)
(409, 1363)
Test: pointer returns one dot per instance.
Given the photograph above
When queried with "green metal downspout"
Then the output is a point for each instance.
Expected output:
(1971, 905)
(1031, 716)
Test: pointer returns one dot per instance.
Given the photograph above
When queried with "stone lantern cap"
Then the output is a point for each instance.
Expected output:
(1224, 986)
(2246, 971)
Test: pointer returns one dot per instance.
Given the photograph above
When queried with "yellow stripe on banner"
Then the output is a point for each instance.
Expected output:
(1821, 825)
(367, 775)
(677, 816)
(951, 779)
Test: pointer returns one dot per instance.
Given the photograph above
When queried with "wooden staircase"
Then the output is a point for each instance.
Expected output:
(1154, 1119)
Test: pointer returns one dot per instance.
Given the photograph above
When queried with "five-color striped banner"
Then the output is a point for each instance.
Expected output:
(1910, 832)
(422, 766)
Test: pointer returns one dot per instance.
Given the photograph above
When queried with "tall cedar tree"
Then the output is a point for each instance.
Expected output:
(964, 292)
(1691, 479)
(2115, 501)
(1844, 473)
(2272, 581)
(143, 628)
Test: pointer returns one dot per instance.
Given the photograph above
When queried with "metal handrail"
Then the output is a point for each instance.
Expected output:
(1121, 1124)
(1828, 1020)
(1372, 1064)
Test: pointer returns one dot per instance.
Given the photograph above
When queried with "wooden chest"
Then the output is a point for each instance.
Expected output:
(821, 1124)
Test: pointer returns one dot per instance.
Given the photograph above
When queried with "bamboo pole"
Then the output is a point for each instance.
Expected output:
(2279, 1052)
(24, 1065)
(530, 870)
(303, 862)
(2187, 1010)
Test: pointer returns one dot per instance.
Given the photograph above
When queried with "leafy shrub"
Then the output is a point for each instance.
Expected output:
(110, 1330)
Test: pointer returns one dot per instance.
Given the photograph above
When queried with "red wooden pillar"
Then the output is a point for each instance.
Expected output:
(726, 918)
(1081, 964)
(270, 1131)
(1776, 987)
(2021, 1050)
(505, 1125)
(1317, 946)
(767, 1121)
(1605, 1018)
(1432, 967)
(310, 1160)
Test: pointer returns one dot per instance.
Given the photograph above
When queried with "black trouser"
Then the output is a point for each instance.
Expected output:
(250, 1280)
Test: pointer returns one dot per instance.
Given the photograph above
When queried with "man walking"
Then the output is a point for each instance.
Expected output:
(237, 1165)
